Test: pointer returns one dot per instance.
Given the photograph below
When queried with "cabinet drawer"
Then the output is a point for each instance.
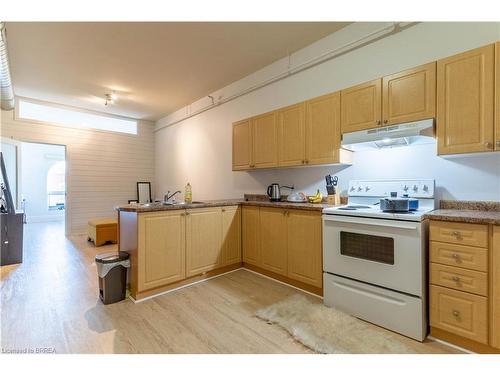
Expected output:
(460, 313)
(459, 279)
(472, 258)
(459, 233)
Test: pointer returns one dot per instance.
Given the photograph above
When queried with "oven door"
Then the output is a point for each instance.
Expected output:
(387, 253)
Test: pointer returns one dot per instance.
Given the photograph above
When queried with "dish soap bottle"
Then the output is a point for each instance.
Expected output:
(188, 194)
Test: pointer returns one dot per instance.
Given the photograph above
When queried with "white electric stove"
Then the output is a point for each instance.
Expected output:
(374, 262)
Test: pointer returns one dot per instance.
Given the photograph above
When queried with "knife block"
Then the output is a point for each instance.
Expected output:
(333, 199)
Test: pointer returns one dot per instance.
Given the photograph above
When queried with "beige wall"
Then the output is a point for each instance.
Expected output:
(198, 149)
(103, 167)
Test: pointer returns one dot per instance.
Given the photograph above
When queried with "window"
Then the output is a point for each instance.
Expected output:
(28, 110)
(56, 186)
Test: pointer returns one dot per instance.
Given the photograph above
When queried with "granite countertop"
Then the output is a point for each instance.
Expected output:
(467, 212)
(154, 207)
(223, 202)
(465, 216)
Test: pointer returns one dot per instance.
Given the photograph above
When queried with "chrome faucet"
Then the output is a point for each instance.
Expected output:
(169, 196)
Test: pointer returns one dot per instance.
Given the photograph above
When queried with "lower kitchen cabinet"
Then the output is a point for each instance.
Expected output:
(495, 288)
(286, 242)
(304, 232)
(250, 232)
(463, 314)
(171, 246)
(273, 240)
(465, 284)
(161, 249)
(203, 240)
(231, 235)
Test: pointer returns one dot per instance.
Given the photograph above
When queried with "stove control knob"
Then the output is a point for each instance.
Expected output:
(426, 188)
(367, 188)
(352, 188)
(415, 188)
(405, 188)
(360, 188)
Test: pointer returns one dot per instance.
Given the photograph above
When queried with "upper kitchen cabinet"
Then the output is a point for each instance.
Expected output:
(465, 102)
(497, 93)
(362, 106)
(409, 95)
(323, 130)
(291, 132)
(265, 141)
(242, 145)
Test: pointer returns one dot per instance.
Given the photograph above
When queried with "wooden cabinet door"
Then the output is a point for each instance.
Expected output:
(231, 235)
(291, 135)
(409, 95)
(305, 247)
(161, 253)
(362, 106)
(465, 97)
(250, 217)
(203, 240)
(242, 145)
(323, 129)
(495, 288)
(497, 93)
(273, 247)
(265, 141)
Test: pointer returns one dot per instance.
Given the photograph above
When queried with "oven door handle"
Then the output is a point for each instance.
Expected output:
(375, 222)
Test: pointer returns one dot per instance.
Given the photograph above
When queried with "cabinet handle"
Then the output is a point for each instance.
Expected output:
(488, 144)
(307, 161)
(303, 161)
(386, 121)
(456, 256)
(223, 210)
(456, 313)
(187, 213)
(456, 279)
(456, 233)
(498, 143)
(183, 214)
(378, 122)
(252, 165)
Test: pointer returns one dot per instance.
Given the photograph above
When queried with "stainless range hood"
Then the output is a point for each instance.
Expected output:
(407, 134)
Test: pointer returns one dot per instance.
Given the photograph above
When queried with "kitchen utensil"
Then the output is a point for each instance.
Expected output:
(398, 204)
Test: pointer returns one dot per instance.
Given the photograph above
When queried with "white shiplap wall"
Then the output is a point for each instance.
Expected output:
(103, 167)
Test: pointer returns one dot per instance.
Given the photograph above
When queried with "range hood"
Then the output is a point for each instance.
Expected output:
(407, 134)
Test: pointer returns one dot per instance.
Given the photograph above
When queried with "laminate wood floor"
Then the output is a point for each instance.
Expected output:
(50, 301)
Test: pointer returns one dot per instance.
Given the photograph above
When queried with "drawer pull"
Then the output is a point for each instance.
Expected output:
(456, 313)
(456, 256)
(457, 234)
(456, 279)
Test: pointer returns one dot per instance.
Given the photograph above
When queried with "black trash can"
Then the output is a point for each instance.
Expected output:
(112, 273)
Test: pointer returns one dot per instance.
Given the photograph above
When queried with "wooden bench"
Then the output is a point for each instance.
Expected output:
(101, 231)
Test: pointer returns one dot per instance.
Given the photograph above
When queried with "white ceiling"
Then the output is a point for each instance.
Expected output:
(155, 68)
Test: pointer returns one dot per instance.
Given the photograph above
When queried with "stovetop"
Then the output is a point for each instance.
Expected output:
(365, 195)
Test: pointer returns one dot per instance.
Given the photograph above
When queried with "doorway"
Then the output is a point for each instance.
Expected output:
(37, 175)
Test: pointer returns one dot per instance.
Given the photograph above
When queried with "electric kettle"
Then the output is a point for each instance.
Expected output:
(274, 193)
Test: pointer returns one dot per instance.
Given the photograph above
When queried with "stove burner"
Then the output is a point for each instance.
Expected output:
(353, 208)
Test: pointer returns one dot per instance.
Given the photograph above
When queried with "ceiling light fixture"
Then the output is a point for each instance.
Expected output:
(110, 98)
